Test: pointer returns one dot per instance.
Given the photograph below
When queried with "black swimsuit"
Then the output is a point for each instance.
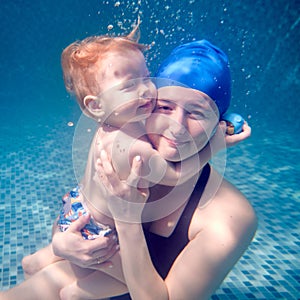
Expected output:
(164, 250)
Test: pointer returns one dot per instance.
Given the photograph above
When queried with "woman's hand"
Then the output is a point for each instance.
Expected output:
(220, 140)
(93, 254)
(125, 199)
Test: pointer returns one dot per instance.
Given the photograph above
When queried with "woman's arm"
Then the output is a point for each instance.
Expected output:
(219, 234)
(142, 279)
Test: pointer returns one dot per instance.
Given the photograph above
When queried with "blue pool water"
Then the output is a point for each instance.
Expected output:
(262, 42)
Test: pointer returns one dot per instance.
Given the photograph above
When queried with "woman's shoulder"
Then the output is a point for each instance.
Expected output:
(222, 205)
(219, 191)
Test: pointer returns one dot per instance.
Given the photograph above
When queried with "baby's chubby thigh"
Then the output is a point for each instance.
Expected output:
(48, 282)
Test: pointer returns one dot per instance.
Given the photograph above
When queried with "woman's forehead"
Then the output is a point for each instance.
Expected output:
(184, 96)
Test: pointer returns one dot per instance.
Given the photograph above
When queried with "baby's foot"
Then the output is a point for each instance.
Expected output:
(35, 262)
(69, 292)
(31, 265)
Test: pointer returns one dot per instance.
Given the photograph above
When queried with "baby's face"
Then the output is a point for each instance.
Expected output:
(128, 94)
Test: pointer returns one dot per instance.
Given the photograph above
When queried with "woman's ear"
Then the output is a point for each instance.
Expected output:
(94, 106)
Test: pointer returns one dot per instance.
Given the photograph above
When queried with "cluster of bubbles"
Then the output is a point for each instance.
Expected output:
(157, 32)
(166, 24)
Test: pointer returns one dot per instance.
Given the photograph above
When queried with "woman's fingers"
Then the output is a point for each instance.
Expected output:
(79, 224)
(83, 253)
(246, 130)
(102, 259)
(101, 265)
(126, 199)
(108, 176)
(104, 246)
(110, 179)
(135, 172)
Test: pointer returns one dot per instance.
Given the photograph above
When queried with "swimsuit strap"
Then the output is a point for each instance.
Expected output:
(164, 250)
(183, 224)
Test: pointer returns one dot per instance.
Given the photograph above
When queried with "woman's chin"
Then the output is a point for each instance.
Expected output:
(178, 156)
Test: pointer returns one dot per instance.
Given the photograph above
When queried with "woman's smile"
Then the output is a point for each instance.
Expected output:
(174, 142)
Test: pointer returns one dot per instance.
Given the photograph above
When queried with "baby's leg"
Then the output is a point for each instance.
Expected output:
(45, 284)
(38, 260)
(51, 280)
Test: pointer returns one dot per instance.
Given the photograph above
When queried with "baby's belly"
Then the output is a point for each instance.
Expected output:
(100, 214)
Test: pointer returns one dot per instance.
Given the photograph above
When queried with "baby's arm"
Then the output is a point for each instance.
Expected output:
(155, 169)
(170, 173)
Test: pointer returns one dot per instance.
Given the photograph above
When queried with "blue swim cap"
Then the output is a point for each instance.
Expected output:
(201, 66)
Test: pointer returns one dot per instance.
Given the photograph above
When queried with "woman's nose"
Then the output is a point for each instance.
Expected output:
(178, 126)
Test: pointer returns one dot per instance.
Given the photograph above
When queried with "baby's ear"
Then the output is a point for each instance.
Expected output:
(94, 106)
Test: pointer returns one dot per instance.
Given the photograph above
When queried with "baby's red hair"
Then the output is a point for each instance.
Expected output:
(79, 61)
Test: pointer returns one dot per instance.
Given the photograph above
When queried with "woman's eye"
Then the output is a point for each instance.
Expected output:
(163, 108)
(197, 115)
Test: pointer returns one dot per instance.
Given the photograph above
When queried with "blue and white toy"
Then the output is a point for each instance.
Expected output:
(234, 123)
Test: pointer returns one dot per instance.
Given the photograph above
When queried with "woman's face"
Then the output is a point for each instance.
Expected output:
(182, 122)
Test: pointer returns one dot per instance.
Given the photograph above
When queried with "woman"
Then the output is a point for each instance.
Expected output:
(186, 254)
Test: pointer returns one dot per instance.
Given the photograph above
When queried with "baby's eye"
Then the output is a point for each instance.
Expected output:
(127, 85)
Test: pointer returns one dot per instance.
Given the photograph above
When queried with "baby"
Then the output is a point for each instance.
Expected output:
(110, 80)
